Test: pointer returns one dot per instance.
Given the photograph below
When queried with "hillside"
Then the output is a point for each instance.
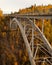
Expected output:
(36, 10)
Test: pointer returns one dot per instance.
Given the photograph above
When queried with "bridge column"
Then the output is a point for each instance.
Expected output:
(32, 41)
(34, 21)
(43, 26)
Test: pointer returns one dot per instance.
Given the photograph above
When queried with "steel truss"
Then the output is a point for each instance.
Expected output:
(38, 48)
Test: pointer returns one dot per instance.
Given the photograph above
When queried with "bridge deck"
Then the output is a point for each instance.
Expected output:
(42, 16)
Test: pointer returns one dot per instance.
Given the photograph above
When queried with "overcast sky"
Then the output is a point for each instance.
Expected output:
(14, 5)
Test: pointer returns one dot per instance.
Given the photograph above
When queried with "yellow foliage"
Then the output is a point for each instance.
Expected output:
(36, 9)
(15, 63)
(1, 13)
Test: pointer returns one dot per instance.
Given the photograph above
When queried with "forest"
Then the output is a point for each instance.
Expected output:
(12, 47)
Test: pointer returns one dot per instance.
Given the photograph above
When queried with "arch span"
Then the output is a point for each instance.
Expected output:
(49, 47)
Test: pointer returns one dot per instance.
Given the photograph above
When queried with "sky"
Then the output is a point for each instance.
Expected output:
(14, 5)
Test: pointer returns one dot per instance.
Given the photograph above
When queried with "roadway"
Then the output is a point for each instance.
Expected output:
(40, 16)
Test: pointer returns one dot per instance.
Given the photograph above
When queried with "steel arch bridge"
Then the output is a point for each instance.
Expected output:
(30, 33)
